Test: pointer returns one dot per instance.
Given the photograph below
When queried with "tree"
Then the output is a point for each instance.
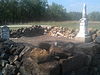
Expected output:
(22, 10)
(75, 15)
(94, 16)
(33, 10)
(57, 12)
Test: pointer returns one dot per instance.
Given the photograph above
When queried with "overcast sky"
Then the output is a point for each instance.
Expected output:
(76, 5)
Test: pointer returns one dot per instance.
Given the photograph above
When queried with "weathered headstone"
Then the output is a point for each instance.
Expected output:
(83, 35)
(5, 32)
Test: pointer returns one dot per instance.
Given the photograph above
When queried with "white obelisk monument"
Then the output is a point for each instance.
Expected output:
(83, 34)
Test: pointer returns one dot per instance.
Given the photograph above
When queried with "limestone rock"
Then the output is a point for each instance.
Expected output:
(94, 36)
(53, 58)
(83, 71)
(50, 68)
(97, 40)
(45, 46)
(9, 70)
(24, 50)
(98, 33)
(28, 32)
(38, 54)
(29, 67)
(3, 62)
(97, 49)
(12, 59)
(17, 63)
(19, 48)
(62, 32)
(18, 74)
(69, 47)
(39, 62)
(85, 48)
(73, 63)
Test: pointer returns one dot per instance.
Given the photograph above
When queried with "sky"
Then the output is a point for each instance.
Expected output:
(76, 5)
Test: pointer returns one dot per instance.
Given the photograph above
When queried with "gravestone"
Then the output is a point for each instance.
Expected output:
(83, 35)
(5, 32)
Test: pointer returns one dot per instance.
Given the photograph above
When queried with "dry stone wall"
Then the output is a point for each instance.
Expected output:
(49, 59)
(28, 32)
(51, 31)
(43, 30)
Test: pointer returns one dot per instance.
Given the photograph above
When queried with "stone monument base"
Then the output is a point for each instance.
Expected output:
(86, 39)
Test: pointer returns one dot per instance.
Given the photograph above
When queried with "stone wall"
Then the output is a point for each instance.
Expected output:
(50, 31)
(49, 59)
(27, 32)
(62, 32)
(43, 30)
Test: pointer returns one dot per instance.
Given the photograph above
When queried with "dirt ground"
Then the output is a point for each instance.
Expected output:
(38, 39)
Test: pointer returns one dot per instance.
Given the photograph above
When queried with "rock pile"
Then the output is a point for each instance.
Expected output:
(41, 30)
(51, 31)
(57, 58)
(62, 32)
(95, 34)
(28, 32)
(10, 57)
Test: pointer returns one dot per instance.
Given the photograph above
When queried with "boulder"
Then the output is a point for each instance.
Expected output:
(69, 47)
(29, 67)
(39, 62)
(17, 63)
(20, 47)
(73, 63)
(45, 46)
(98, 33)
(50, 68)
(53, 58)
(13, 58)
(9, 70)
(41, 55)
(28, 32)
(26, 49)
(94, 36)
(3, 63)
(97, 40)
(83, 71)
(85, 48)
(62, 32)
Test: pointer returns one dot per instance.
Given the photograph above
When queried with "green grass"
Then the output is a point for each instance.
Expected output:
(67, 24)
(94, 25)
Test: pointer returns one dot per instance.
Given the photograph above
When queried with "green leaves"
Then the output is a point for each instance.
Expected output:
(94, 16)
(13, 11)
(21, 10)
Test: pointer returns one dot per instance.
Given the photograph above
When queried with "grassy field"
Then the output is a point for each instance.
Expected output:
(69, 24)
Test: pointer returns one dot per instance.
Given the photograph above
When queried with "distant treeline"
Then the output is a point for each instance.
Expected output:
(14, 11)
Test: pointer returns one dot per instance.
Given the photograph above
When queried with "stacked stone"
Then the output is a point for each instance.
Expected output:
(97, 39)
(96, 61)
(56, 58)
(62, 32)
(51, 31)
(41, 30)
(10, 57)
(31, 31)
(95, 34)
